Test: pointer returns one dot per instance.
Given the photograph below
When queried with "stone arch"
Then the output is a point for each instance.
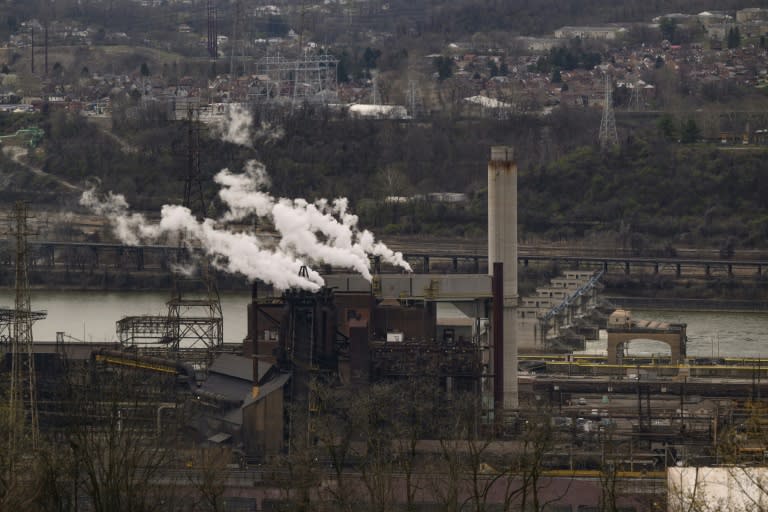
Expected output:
(673, 336)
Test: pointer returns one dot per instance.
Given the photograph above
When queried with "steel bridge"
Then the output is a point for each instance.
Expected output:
(92, 255)
(678, 267)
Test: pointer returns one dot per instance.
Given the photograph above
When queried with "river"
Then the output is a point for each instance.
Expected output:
(710, 333)
(719, 334)
(91, 316)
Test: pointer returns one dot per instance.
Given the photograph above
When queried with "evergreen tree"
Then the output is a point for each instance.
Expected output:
(444, 67)
(370, 58)
(668, 28)
(342, 68)
(493, 68)
(666, 127)
(689, 132)
(734, 38)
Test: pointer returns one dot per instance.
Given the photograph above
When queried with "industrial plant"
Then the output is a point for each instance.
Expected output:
(406, 391)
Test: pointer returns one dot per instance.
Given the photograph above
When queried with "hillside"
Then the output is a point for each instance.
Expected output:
(651, 194)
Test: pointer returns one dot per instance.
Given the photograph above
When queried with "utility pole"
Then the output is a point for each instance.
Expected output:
(237, 16)
(32, 33)
(45, 38)
(301, 27)
(375, 96)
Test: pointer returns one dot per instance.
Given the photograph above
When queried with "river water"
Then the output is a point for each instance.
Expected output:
(91, 316)
(710, 334)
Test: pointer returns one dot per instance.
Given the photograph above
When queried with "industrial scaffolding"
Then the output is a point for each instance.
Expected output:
(173, 334)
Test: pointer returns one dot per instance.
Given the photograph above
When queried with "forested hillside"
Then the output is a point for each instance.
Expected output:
(651, 193)
(543, 16)
(441, 18)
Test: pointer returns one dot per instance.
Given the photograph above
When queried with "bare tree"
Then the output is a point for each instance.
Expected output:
(108, 451)
(687, 491)
(336, 431)
(297, 472)
(611, 455)
(376, 421)
(209, 475)
(536, 441)
(18, 486)
(416, 410)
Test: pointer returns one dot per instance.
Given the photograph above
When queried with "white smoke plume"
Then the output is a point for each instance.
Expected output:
(319, 232)
(267, 133)
(235, 126)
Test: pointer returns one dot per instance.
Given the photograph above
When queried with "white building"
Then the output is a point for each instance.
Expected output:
(717, 489)
(378, 111)
(607, 33)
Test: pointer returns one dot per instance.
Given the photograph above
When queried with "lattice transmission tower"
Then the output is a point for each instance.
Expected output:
(608, 136)
(636, 100)
(414, 100)
(194, 310)
(213, 35)
(236, 43)
(17, 322)
(192, 329)
(375, 94)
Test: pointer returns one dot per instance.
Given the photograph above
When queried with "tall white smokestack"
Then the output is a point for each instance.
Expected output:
(502, 248)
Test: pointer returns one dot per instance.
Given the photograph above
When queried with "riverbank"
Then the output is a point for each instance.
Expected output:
(691, 294)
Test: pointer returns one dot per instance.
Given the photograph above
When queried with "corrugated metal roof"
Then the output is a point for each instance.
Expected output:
(229, 388)
(220, 437)
(236, 366)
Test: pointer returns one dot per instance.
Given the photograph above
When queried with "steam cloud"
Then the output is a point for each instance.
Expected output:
(235, 126)
(320, 232)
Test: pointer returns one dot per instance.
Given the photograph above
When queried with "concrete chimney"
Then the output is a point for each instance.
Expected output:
(502, 248)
